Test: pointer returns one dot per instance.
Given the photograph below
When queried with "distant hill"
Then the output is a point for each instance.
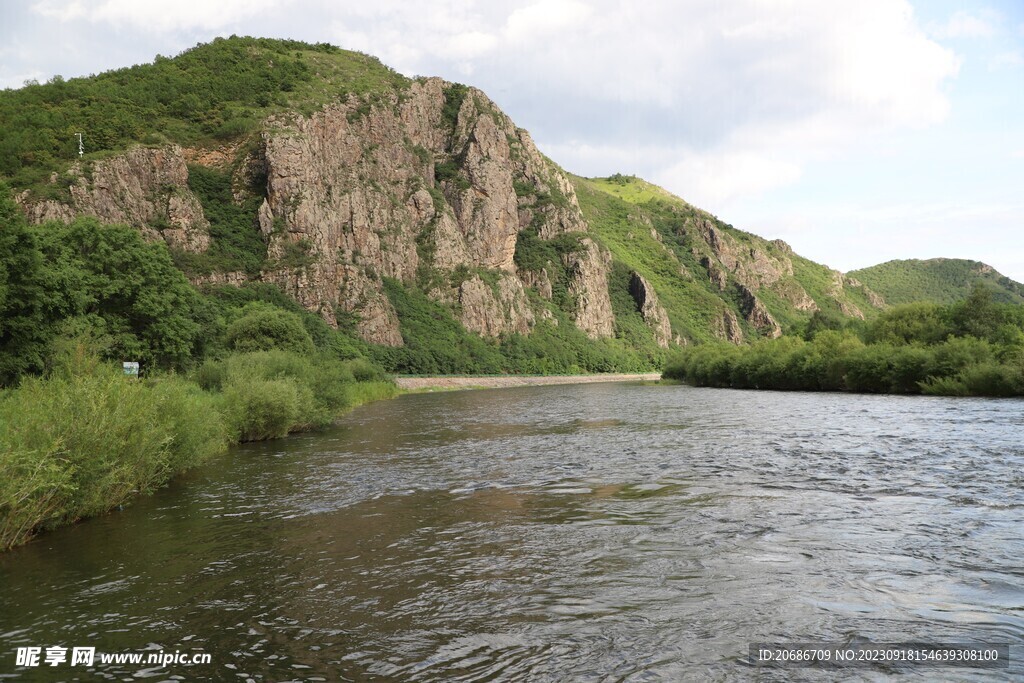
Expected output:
(939, 280)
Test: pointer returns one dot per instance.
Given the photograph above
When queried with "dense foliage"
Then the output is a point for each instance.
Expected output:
(437, 344)
(84, 441)
(102, 281)
(87, 439)
(77, 437)
(235, 241)
(972, 348)
(24, 320)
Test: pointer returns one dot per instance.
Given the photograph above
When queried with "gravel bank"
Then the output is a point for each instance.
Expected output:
(422, 383)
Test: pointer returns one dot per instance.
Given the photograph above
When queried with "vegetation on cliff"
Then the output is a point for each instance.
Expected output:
(220, 90)
(971, 348)
(436, 344)
(706, 271)
(391, 206)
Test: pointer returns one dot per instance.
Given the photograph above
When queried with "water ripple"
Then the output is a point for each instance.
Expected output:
(590, 533)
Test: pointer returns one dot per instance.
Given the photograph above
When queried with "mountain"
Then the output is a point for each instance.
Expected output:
(939, 280)
(412, 212)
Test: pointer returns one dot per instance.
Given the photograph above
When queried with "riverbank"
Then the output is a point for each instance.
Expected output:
(502, 381)
(86, 439)
(78, 444)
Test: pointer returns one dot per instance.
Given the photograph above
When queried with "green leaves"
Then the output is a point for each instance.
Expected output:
(919, 348)
(263, 327)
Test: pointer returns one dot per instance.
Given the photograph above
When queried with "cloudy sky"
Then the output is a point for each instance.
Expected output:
(857, 131)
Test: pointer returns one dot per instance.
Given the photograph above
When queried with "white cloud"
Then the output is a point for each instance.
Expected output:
(715, 179)
(966, 25)
(20, 79)
(741, 94)
(471, 44)
(62, 10)
(1012, 60)
(155, 16)
(538, 21)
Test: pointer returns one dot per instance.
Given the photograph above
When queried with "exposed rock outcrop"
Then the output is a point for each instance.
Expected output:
(651, 310)
(539, 281)
(727, 327)
(432, 185)
(751, 266)
(235, 278)
(835, 291)
(479, 303)
(874, 297)
(715, 274)
(367, 189)
(362, 190)
(144, 187)
(755, 313)
(588, 285)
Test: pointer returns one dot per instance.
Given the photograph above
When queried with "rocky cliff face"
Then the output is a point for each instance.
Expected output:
(432, 186)
(145, 188)
(651, 309)
(406, 190)
(589, 289)
(424, 186)
(755, 268)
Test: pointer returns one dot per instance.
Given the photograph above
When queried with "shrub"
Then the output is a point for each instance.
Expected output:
(263, 327)
(80, 443)
(258, 410)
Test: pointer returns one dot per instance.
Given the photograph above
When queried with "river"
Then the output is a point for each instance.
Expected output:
(602, 532)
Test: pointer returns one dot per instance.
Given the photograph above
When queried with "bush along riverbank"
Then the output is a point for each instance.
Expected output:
(86, 438)
(972, 348)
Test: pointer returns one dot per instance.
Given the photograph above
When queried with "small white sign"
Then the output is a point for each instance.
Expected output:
(131, 368)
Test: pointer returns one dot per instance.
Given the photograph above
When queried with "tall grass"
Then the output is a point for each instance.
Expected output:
(87, 439)
(76, 446)
(268, 394)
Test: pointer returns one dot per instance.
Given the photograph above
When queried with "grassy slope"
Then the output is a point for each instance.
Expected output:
(617, 207)
(689, 301)
(942, 281)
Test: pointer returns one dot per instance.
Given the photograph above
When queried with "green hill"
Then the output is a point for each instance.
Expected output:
(938, 280)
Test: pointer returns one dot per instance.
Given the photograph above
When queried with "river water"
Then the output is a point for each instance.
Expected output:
(605, 532)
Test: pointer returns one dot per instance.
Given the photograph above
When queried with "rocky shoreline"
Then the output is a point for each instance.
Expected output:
(501, 381)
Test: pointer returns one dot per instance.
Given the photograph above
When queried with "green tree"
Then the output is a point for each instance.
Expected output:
(978, 315)
(922, 323)
(25, 331)
(123, 287)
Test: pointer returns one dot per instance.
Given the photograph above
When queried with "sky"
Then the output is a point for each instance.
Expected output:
(859, 132)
